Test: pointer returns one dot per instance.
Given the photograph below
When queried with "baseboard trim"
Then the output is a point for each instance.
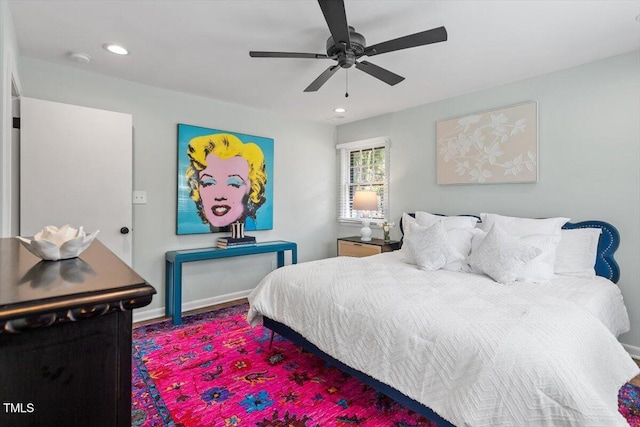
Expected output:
(633, 351)
(156, 313)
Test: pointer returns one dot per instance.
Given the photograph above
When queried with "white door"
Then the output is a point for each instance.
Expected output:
(76, 168)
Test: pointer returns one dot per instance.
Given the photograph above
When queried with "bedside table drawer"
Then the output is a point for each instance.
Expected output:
(355, 249)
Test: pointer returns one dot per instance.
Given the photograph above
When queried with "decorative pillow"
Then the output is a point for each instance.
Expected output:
(540, 269)
(477, 239)
(523, 226)
(430, 247)
(461, 239)
(577, 252)
(501, 256)
(426, 219)
(407, 220)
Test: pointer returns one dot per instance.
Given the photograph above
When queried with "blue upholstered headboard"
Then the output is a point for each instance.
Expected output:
(606, 265)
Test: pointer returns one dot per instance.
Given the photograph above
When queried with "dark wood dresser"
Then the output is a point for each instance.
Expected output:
(65, 337)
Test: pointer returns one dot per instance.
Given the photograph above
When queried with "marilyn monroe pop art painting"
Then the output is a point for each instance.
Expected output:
(223, 177)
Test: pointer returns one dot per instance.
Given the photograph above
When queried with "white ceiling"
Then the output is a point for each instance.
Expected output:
(202, 47)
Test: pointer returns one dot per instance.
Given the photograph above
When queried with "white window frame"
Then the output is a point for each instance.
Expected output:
(345, 200)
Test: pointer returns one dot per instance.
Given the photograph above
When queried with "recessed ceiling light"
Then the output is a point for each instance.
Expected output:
(114, 48)
(339, 110)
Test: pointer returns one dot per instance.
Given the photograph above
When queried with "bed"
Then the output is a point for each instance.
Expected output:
(457, 346)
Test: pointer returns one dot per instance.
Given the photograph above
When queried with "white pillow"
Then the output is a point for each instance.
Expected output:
(477, 239)
(426, 219)
(461, 239)
(540, 269)
(577, 252)
(501, 256)
(407, 220)
(523, 226)
(430, 247)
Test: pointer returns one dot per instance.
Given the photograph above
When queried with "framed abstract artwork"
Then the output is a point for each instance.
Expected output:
(499, 146)
(223, 177)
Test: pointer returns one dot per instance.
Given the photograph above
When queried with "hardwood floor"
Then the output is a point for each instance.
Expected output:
(635, 381)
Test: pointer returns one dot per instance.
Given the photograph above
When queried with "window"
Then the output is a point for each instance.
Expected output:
(364, 165)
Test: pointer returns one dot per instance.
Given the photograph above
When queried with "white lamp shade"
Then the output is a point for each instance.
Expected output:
(364, 200)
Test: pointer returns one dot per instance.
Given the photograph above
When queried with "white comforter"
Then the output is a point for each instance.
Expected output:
(476, 352)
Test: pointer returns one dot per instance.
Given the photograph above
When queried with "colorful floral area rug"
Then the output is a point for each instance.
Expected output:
(215, 370)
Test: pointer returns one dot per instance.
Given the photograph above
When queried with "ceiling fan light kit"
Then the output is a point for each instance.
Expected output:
(346, 47)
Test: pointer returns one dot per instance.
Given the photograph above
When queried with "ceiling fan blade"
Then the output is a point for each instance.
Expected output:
(336, 18)
(259, 54)
(434, 35)
(380, 73)
(322, 79)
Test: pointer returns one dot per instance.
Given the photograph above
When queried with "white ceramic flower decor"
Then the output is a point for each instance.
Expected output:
(53, 243)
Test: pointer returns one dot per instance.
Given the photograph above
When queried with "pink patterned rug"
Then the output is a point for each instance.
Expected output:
(215, 370)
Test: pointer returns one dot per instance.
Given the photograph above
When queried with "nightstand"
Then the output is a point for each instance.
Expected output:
(353, 246)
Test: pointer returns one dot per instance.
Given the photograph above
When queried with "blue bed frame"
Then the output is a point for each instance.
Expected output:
(606, 266)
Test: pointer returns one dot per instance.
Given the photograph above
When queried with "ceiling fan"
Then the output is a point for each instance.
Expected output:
(346, 46)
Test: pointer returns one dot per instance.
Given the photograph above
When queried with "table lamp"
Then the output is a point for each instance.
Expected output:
(364, 200)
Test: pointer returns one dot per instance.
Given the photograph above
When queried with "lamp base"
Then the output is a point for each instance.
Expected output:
(365, 231)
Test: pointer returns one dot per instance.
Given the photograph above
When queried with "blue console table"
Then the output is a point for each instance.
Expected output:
(175, 259)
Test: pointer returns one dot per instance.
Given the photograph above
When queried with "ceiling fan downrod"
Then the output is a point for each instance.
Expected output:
(346, 88)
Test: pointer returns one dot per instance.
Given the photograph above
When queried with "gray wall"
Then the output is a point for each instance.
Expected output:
(589, 157)
(304, 183)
